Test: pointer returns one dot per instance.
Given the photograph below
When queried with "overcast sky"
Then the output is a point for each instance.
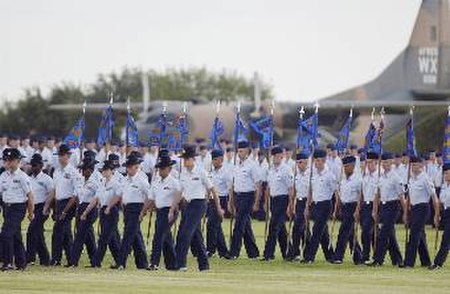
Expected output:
(306, 49)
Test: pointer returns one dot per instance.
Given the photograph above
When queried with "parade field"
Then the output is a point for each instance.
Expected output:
(239, 276)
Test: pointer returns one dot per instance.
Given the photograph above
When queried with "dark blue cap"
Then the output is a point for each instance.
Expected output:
(132, 159)
(276, 150)
(387, 156)
(331, 146)
(36, 159)
(216, 153)
(63, 149)
(11, 153)
(415, 159)
(301, 156)
(89, 154)
(243, 144)
(372, 155)
(229, 149)
(353, 147)
(189, 152)
(319, 153)
(446, 167)
(348, 160)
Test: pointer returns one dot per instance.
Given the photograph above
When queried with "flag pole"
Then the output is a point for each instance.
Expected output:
(230, 205)
(301, 112)
(407, 200)
(436, 237)
(266, 192)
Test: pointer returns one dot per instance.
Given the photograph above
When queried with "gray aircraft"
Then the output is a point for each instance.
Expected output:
(419, 76)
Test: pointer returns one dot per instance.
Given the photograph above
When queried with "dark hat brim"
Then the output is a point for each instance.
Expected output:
(165, 164)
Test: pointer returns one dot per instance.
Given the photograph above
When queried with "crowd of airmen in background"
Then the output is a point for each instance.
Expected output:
(370, 191)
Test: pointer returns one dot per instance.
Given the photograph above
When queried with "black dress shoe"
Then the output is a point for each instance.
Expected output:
(55, 263)
(230, 257)
(7, 267)
(114, 266)
(152, 268)
(267, 259)
(434, 267)
(373, 264)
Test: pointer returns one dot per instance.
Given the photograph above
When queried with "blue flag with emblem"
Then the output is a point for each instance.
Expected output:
(344, 136)
(162, 127)
(131, 132)
(264, 128)
(410, 138)
(374, 139)
(75, 136)
(182, 128)
(446, 149)
(172, 143)
(304, 139)
(153, 139)
(216, 132)
(311, 126)
(105, 130)
(240, 131)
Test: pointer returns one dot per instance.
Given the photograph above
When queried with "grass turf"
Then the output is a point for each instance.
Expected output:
(239, 276)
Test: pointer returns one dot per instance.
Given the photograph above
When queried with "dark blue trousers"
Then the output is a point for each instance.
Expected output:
(278, 207)
(441, 255)
(35, 237)
(243, 203)
(320, 213)
(83, 229)
(132, 237)
(417, 238)
(346, 234)
(367, 223)
(190, 234)
(62, 238)
(163, 240)
(387, 239)
(298, 228)
(109, 236)
(13, 247)
(215, 239)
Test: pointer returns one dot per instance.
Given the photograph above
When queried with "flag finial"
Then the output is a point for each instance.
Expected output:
(84, 106)
(301, 112)
(111, 98)
(411, 110)
(272, 107)
(218, 107)
(448, 110)
(351, 111)
(316, 106)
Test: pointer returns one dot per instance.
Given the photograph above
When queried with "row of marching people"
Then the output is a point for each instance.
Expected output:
(298, 193)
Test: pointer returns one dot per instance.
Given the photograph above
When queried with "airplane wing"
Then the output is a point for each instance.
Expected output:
(376, 103)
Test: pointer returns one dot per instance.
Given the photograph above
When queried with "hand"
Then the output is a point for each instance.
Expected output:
(220, 212)
(83, 216)
(231, 208)
(290, 211)
(107, 210)
(436, 221)
(62, 216)
(405, 218)
(171, 216)
(256, 207)
(46, 211)
(31, 216)
(306, 213)
(375, 215)
(356, 216)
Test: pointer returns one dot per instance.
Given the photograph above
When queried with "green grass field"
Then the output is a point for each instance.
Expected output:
(240, 276)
